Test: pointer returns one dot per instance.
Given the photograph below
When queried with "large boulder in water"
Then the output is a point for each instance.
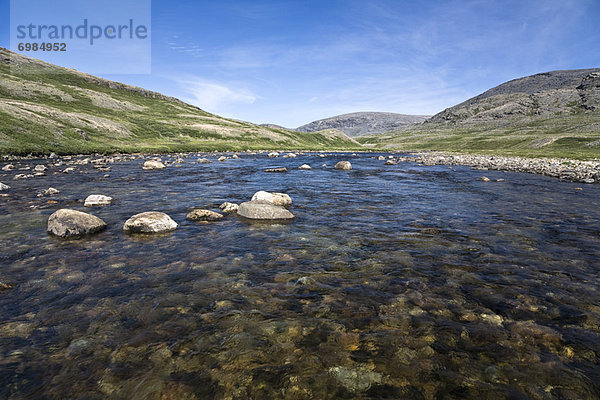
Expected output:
(345, 165)
(153, 164)
(149, 222)
(278, 199)
(260, 210)
(68, 223)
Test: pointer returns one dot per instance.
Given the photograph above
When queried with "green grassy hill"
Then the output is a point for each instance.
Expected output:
(554, 114)
(45, 108)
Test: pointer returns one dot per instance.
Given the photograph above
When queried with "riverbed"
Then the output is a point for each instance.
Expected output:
(404, 281)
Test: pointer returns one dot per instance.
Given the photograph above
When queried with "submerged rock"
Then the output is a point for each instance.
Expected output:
(97, 200)
(204, 215)
(485, 179)
(8, 167)
(228, 207)
(204, 161)
(357, 379)
(344, 165)
(153, 164)
(278, 199)
(68, 223)
(149, 222)
(390, 162)
(22, 176)
(261, 210)
(278, 169)
(3, 186)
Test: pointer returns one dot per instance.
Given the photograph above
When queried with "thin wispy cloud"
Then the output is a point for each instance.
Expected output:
(212, 96)
(293, 62)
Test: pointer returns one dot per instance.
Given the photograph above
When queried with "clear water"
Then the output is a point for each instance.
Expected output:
(403, 282)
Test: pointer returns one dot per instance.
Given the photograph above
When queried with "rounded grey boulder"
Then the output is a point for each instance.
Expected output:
(68, 223)
(345, 165)
(97, 200)
(153, 164)
(260, 210)
(149, 222)
(278, 199)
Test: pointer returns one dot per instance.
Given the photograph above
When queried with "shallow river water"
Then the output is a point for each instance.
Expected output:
(400, 282)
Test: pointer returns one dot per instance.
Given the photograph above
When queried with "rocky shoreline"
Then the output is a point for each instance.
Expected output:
(561, 168)
(565, 169)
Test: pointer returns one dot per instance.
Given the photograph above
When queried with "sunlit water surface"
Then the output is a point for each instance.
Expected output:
(403, 282)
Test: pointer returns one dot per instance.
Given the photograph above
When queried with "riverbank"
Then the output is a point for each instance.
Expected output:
(565, 169)
(561, 168)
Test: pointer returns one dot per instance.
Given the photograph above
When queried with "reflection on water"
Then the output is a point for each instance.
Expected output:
(403, 282)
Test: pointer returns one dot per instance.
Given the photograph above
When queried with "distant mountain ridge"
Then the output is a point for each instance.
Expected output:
(541, 95)
(364, 123)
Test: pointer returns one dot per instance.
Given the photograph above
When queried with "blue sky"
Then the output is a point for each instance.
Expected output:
(291, 62)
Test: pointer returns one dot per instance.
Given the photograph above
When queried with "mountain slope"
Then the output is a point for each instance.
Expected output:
(364, 123)
(45, 108)
(537, 96)
(550, 114)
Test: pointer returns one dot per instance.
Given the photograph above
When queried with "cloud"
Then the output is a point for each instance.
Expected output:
(214, 96)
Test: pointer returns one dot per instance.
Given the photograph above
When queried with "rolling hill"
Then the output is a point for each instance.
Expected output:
(549, 114)
(364, 123)
(45, 108)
